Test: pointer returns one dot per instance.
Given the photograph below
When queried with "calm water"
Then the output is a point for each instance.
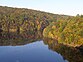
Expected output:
(32, 52)
(34, 48)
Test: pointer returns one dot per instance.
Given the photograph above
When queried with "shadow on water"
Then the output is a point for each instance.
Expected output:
(72, 54)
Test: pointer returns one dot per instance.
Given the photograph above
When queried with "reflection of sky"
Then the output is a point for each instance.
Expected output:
(34, 52)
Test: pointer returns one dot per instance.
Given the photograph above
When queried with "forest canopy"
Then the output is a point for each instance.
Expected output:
(66, 29)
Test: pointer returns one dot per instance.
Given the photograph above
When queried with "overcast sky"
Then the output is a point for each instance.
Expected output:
(67, 7)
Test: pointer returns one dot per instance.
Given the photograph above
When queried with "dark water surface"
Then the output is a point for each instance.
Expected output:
(32, 52)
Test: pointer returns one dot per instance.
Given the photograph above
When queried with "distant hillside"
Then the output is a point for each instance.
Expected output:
(28, 23)
(16, 19)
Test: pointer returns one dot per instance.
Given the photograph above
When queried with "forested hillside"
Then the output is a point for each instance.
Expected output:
(22, 21)
(66, 31)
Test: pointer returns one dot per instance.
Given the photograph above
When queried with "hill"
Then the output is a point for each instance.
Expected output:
(28, 23)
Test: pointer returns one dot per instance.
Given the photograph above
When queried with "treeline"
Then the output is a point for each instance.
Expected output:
(21, 19)
(28, 22)
(69, 31)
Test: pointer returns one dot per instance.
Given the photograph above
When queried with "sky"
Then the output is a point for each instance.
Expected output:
(66, 7)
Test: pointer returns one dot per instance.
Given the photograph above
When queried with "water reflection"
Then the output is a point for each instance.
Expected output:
(70, 53)
(26, 48)
(33, 52)
(30, 48)
(18, 39)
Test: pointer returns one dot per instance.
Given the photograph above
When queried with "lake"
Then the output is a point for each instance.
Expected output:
(33, 52)
(36, 49)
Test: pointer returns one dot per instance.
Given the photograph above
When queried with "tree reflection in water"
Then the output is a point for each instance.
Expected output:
(70, 53)
(14, 39)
